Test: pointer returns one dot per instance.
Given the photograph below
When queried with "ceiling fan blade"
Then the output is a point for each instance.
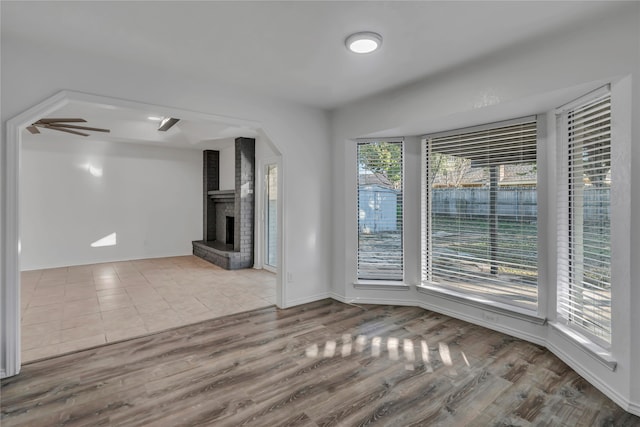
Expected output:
(66, 130)
(49, 121)
(33, 129)
(60, 125)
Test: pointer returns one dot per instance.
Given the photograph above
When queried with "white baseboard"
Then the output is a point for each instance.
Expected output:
(612, 394)
(633, 408)
(306, 300)
(338, 297)
(140, 257)
(481, 322)
(379, 301)
(455, 314)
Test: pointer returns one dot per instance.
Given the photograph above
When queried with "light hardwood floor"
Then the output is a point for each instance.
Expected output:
(320, 364)
(71, 308)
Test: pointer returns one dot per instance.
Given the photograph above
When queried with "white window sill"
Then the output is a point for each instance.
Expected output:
(386, 285)
(484, 304)
(599, 353)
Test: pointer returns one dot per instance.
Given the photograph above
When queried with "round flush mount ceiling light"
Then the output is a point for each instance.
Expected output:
(363, 42)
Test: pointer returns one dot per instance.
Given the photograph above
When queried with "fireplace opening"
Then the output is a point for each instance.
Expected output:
(230, 229)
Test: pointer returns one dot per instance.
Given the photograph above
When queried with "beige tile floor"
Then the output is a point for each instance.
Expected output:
(72, 308)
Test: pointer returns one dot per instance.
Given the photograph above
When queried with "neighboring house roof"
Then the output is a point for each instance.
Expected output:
(378, 188)
(369, 178)
(509, 174)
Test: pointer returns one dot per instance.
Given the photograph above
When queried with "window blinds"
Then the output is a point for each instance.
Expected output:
(584, 244)
(480, 212)
(380, 210)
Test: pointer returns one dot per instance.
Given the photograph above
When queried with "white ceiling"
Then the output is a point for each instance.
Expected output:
(292, 50)
(134, 126)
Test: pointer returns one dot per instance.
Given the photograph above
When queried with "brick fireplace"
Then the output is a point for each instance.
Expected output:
(228, 215)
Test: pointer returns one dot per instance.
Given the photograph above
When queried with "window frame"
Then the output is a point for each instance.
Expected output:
(382, 282)
(503, 305)
(564, 223)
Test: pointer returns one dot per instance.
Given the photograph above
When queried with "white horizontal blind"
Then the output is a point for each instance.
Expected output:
(380, 210)
(584, 248)
(480, 212)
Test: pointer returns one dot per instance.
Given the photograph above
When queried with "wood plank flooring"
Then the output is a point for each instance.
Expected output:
(320, 364)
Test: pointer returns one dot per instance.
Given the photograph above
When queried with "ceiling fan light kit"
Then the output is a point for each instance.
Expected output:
(63, 125)
(166, 123)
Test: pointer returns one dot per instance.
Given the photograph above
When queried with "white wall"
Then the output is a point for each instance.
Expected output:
(264, 148)
(534, 77)
(31, 73)
(150, 197)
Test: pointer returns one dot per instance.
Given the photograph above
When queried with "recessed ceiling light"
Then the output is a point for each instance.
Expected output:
(154, 118)
(363, 42)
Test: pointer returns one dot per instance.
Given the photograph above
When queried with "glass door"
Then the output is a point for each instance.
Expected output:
(271, 217)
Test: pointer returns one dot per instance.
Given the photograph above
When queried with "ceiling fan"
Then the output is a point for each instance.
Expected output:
(63, 126)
